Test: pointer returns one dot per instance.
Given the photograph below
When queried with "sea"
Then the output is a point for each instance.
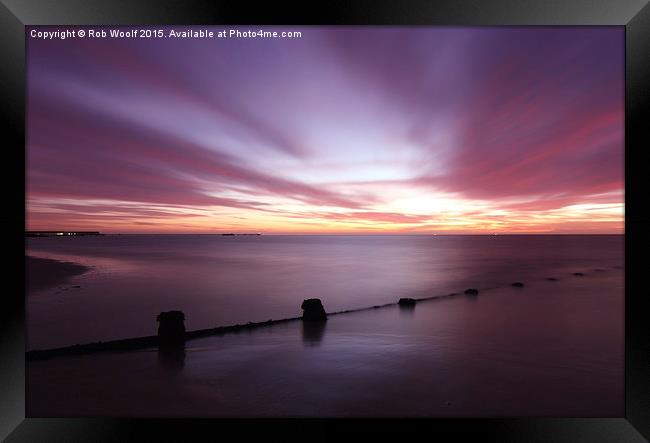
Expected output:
(552, 348)
(222, 280)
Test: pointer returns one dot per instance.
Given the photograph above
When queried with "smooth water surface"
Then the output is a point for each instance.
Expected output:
(220, 280)
(549, 349)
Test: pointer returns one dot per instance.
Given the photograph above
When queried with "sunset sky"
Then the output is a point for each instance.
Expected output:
(345, 130)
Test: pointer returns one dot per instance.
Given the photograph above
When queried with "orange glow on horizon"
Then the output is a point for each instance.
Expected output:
(575, 219)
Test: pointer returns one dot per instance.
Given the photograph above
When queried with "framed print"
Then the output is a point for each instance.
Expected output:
(358, 210)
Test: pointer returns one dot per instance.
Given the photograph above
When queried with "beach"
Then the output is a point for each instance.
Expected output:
(46, 273)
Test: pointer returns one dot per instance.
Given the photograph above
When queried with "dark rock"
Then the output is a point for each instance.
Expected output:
(599, 270)
(406, 302)
(578, 274)
(471, 291)
(171, 328)
(517, 284)
(551, 279)
(313, 310)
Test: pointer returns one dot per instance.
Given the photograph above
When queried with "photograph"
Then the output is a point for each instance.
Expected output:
(320, 221)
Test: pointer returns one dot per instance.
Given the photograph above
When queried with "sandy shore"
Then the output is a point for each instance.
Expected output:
(43, 273)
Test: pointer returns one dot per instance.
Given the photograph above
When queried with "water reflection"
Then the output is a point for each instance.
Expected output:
(254, 278)
(312, 332)
(406, 310)
(172, 358)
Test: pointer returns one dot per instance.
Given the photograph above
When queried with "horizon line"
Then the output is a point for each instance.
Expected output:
(337, 234)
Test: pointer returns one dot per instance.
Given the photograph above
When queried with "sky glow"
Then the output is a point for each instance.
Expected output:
(345, 130)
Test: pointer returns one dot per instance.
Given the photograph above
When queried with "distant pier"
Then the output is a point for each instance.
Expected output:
(60, 233)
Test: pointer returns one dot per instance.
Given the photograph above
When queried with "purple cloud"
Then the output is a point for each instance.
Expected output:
(525, 119)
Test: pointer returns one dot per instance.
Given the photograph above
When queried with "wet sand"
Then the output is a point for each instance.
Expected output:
(45, 273)
(550, 348)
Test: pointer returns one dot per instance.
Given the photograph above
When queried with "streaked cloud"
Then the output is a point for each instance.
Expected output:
(344, 130)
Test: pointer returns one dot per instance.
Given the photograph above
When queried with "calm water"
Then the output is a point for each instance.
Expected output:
(219, 280)
(551, 348)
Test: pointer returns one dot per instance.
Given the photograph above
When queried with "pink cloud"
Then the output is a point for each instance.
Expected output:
(525, 119)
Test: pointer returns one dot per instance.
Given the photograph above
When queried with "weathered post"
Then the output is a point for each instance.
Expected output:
(313, 310)
(171, 328)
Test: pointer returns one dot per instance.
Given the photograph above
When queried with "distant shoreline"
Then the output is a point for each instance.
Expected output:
(43, 273)
(60, 233)
(219, 234)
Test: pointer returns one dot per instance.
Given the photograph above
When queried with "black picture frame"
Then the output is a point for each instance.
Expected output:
(634, 15)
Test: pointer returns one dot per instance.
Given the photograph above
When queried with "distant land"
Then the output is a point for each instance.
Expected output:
(78, 233)
(59, 233)
(230, 234)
